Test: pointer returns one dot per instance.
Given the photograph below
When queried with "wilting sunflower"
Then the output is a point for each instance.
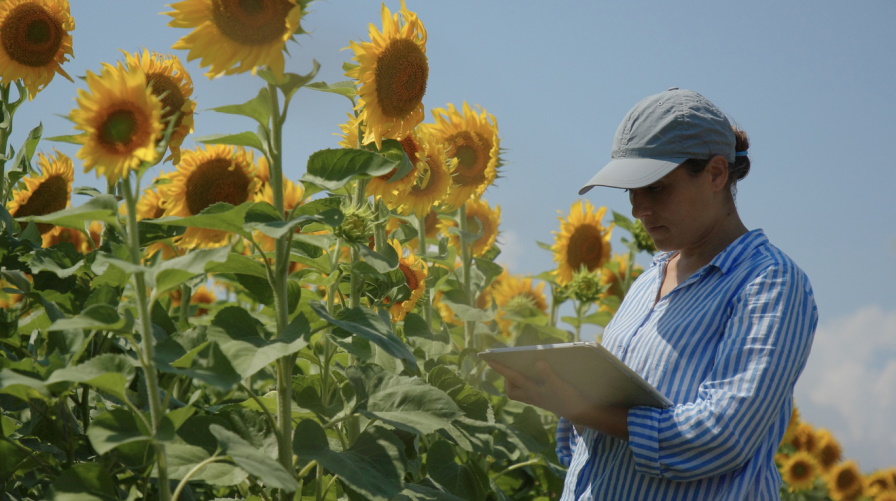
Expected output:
(429, 179)
(35, 40)
(800, 470)
(48, 192)
(392, 73)
(121, 120)
(235, 36)
(171, 83)
(471, 138)
(84, 243)
(482, 221)
(517, 295)
(582, 241)
(415, 272)
(204, 177)
(828, 451)
(845, 481)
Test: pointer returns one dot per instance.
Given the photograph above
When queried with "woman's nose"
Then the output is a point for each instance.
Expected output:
(640, 207)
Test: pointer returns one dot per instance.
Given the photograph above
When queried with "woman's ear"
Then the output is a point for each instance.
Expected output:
(717, 168)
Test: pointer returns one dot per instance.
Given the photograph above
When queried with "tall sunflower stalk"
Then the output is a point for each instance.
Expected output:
(7, 110)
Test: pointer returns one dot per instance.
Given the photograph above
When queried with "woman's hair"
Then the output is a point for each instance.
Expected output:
(737, 170)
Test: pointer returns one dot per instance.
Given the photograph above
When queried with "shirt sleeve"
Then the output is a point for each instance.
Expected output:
(567, 438)
(762, 352)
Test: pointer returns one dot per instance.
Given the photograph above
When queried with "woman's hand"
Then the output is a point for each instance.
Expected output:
(552, 393)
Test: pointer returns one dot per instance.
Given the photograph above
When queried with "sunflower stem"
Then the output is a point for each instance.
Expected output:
(280, 286)
(467, 261)
(147, 341)
(421, 250)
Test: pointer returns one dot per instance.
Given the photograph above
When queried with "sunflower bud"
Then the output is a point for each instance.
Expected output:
(586, 286)
(642, 239)
(357, 226)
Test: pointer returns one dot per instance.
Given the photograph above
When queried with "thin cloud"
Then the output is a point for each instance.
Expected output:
(849, 385)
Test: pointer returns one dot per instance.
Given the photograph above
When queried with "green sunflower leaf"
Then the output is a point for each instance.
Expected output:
(257, 108)
(173, 272)
(96, 317)
(373, 466)
(244, 341)
(27, 150)
(332, 169)
(254, 461)
(366, 324)
(85, 482)
(102, 208)
(345, 88)
(249, 139)
(220, 216)
(109, 373)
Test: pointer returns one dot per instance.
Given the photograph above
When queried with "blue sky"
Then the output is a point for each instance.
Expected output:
(811, 83)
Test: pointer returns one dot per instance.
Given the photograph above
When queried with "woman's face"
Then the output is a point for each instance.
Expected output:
(680, 210)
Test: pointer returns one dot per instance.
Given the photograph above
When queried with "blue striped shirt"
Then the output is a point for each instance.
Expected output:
(726, 346)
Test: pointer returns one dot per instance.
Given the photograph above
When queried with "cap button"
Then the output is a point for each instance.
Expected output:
(672, 88)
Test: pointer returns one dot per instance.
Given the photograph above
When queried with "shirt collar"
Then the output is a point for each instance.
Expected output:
(731, 256)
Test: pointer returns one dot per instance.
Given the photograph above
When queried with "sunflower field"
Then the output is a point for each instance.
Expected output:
(226, 329)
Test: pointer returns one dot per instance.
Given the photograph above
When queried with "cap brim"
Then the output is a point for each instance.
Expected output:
(632, 172)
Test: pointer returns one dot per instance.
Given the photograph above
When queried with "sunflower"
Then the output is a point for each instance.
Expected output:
(482, 222)
(429, 180)
(392, 188)
(828, 451)
(887, 495)
(201, 296)
(415, 272)
(430, 226)
(121, 120)
(799, 471)
(149, 206)
(582, 241)
(48, 192)
(471, 138)
(392, 72)
(171, 83)
(804, 438)
(517, 295)
(204, 177)
(845, 481)
(235, 36)
(35, 40)
(881, 481)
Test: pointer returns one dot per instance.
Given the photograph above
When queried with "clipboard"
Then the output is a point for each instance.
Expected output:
(598, 374)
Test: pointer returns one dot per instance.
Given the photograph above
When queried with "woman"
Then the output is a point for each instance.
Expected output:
(722, 324)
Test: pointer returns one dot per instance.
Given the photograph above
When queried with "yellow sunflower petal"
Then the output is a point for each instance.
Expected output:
(35, 40)
(235, 36)
(121, 121)
(582, 241)
(392, 73)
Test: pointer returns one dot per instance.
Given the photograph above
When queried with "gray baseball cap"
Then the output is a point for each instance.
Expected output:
(661, 132)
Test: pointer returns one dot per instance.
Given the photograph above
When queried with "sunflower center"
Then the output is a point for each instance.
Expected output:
(216, 180)
(471, 151)
(119, 128)
(251, 22)
(585, 248)
(50, 196)
(409, 276)
(31, 36)
(169, 93)
(401, 74)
